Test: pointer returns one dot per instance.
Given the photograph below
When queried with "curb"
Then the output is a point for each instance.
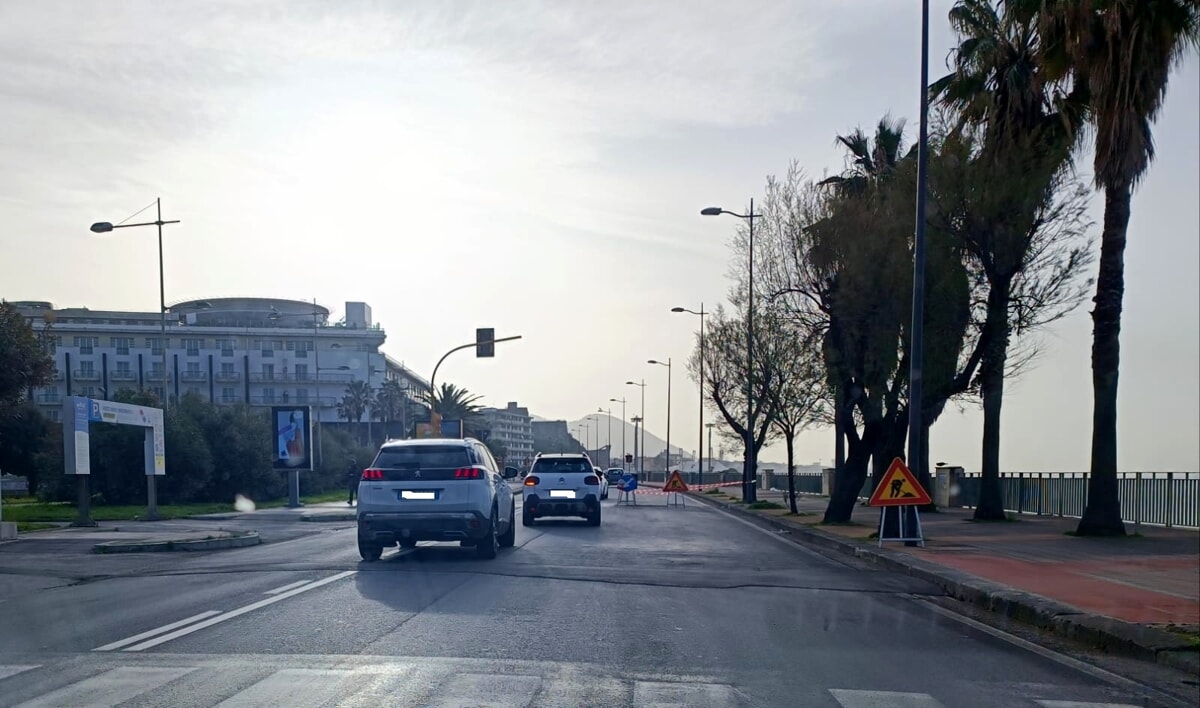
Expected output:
(337, 516)
(1106, 633)
(203, 544)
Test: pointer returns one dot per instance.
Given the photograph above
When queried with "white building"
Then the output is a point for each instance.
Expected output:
(513, 428)
(259, 351)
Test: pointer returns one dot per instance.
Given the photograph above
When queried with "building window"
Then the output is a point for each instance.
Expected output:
(268, 395)
(226, 346)
(123, 370)
(156, 369)
(302, 395)
(228, 394)
(193, 368)
(122, 344)
(193, 390)
(156, 344)
(86, 344)
(87, 391)
(302, 372)
(268, 372)
(227, 368)
(192, 346)
(55, 415)
(87, 368)
(159, 391)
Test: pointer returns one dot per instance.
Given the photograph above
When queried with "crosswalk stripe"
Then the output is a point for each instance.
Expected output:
(109, 688)
(6, 671)
(1081, 704)
(295, 688)
(656, 694)
(483, 690)
(883, 699)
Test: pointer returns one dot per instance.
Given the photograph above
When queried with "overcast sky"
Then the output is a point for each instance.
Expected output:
(536, 167)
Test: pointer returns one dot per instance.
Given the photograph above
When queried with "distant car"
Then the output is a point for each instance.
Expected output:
(564, 484)
(613, 474)
(603, 483)
(435, 490)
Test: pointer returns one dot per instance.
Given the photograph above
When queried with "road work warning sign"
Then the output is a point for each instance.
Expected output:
(675, 483)
(899, 488)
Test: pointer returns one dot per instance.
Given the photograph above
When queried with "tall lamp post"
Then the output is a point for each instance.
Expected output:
(700, 378)
(637, 421)
(103, 227)
(916, 356)
(608, 437)
(750, 475)
(668, 365)
(622, 402)
(639, 461)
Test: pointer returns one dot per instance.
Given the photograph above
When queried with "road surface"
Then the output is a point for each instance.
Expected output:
(657, 607)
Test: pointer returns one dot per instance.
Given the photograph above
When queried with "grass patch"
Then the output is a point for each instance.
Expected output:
(714, 491)
(801, 513)
(41, 512)
(27, 526)
(765, 505)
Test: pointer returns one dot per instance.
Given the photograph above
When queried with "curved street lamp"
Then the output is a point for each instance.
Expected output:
(700, 378)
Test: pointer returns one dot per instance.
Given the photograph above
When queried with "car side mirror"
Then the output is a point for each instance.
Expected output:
(511, 472)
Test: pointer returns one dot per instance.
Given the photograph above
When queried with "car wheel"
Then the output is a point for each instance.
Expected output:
(509, 537)
(488, 546)
(369, 551)
(526, 518)
(604, 496)
(593, 518)
(407, 543)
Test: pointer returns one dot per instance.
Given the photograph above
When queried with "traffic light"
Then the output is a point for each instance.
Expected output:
(485, 347)
(628, 458)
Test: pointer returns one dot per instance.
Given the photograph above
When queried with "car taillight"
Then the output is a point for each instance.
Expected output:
(591, 479)
(531, 481)
(372, 475)
(467, 473)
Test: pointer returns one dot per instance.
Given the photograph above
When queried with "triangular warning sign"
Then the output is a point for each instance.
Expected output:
(899, 488)
(675, 483)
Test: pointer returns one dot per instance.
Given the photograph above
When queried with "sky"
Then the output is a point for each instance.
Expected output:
(535, 167)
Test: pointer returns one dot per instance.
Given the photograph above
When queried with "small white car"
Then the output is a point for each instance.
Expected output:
(563, 484)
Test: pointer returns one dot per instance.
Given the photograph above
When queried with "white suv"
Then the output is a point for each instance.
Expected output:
(561, 485)
(435, 490)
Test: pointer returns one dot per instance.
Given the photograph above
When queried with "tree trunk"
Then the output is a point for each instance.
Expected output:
(791, 450)
(1102, 516)
(990, 505)
(849, 481)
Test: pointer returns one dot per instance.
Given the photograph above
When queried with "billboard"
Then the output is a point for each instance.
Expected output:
(78, 414)
(292, 428)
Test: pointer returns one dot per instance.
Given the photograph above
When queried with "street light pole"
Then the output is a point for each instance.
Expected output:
(622, 400)
(101, 227)
(668, 365)
(639, 461)
(750, 474)
(608, 437)
(916, 355)
(700, 378)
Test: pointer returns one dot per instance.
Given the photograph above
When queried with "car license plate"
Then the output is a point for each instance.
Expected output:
(408, 495)
(562, 494)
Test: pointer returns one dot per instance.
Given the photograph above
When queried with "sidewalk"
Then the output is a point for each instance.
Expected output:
(1119, 593)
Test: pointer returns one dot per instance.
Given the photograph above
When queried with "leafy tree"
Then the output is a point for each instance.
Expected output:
(1120, 53)
(24, 361)
(452, 402)
(355, 403)
(1013, 200)
(24, 442)
(389, 403)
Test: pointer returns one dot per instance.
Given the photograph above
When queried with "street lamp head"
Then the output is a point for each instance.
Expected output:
(711, 211)
(102, 227)
(678, 309)
(653, 361)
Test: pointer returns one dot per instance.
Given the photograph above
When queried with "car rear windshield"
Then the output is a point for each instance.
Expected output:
(567, 466)
(423, 457)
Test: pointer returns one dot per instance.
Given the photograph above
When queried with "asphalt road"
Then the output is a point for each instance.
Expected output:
(657, 607)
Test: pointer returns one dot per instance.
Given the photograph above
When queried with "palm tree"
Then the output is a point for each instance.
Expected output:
(1121, 52)
(356, 402)
(1023, 128)
(453, 403)
(389, 403)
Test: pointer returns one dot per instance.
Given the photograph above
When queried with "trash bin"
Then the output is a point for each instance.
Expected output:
(827, 477)
(947, 487)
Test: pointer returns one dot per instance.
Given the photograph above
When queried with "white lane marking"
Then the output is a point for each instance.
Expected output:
(156, 631)
(239, 611)
(6, 671)
(1080, 666)
(684, 695)
(883, 699)
(470, 690)
(295, 688)
(1081, 704)
(285, 588)
(111, 687)
(786, 540)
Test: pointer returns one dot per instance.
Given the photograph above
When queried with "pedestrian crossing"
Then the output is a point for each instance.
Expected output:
(312, 682)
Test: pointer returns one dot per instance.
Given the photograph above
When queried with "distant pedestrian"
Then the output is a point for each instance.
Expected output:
(352, 477)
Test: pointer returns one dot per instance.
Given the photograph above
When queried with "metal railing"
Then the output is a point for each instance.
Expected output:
(1170, 499)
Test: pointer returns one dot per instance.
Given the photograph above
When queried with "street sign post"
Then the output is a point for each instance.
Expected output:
(899, 488)
(674, 487)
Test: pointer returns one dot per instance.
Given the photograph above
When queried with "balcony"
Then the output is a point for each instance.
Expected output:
(193, 376)
(228, 376)
(87, 375)
(122, 375)
(48, 398)
(155, 376)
